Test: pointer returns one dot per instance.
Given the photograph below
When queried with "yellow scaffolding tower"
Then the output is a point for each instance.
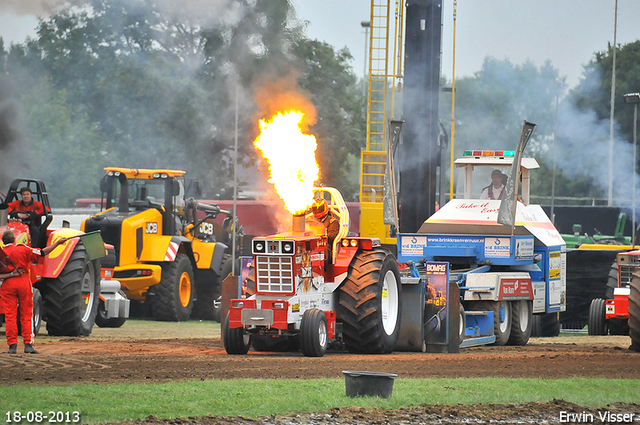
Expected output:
(374, 158)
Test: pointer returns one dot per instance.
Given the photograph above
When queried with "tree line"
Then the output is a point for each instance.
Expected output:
(127, 83)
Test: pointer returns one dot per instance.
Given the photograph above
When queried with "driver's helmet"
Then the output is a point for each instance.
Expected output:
(320, 208)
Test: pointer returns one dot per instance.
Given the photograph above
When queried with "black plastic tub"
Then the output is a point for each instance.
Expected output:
(374, 384)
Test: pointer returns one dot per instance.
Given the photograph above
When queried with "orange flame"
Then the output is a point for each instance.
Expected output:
(291, 157)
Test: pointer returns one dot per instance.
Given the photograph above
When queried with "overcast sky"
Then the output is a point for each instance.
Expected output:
(566, 32)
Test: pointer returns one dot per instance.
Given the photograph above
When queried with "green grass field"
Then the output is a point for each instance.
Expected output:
(99, 403)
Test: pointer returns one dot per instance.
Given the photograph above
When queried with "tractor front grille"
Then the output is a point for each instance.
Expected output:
(274, 273)
(625, 274)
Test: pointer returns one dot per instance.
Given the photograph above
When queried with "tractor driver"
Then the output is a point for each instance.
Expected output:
(496, 188)
(330, 222)
(29, 211)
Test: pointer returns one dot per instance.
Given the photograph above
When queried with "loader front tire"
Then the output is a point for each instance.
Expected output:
(173, 296)
(71, 299)
(634, 312)
(314, 333)
(370, 303)
(521, 322)
(235, 340)
(597, 319)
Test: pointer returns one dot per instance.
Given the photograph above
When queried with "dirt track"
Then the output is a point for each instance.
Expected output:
(180, 351)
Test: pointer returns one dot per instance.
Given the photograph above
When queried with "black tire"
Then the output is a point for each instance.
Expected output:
(37, 311)
(208, 305)
(501, 325)
(462, 324)
(273, 343)
(597, 319)
(314, 333)
(235, 340)
(71, 300)
(545, 325)
(104, 321)
(173, 296)
(371, 323)
(521, 322)
(612, 281)
(634, 312)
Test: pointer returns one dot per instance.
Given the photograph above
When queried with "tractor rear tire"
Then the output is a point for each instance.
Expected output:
(612, 281)
(521, 322)
(597, 319)
(104, 321)
(634, 312)
(173, 296)
(71, 299)
(235, 340)
(545, 325)
(370, 303)
(314, 333)
(279, 344)
(501, 325)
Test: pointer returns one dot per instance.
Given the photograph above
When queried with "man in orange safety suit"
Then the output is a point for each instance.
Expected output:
(16, 289)
(28, 211)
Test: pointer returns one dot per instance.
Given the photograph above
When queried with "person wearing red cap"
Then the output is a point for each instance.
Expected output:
(16, 290)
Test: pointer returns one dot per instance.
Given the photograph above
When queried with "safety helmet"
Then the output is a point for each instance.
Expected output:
(319, 208)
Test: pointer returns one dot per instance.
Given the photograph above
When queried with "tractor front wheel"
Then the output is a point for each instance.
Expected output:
(235, 340)
(71, 300)
(370, 303)
(634, 312)
(104, 321)
(173, 296)
(597, 318)
(314, 336)
(37, 311)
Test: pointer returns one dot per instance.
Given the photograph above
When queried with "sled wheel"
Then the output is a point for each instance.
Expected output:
(462, 324)
(501, 318)
(521, 322)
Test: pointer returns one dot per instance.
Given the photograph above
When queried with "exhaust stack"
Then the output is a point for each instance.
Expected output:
(298, 223)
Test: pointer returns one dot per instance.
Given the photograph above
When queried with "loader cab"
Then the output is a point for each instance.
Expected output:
(133, 190)
(39, 194)
(474, 169)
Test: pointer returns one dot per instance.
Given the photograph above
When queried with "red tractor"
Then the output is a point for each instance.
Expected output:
(311, 291)
(67, 281)
(619, 314)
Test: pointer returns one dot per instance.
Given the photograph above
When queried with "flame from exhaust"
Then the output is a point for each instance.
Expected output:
(291, 157)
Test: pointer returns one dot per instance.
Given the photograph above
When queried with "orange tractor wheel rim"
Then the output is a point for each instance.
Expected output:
(185, 289)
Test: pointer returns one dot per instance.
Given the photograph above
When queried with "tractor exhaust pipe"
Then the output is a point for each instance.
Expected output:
(298, 223)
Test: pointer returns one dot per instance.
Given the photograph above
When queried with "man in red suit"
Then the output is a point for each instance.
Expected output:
(16, 289)
(29, 211)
